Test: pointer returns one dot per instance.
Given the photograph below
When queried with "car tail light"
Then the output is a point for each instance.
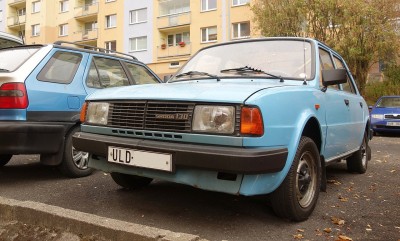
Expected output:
(251, 122)
(13, 96)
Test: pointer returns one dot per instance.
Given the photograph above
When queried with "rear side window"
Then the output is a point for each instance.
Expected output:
(11, 59)
(140, 74)
(105, 73)
(61, 68)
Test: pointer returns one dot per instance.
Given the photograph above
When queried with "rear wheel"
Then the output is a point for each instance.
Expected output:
(130, 181)
(4, 159)
(74, 163)
(358, 161)
(296, 197)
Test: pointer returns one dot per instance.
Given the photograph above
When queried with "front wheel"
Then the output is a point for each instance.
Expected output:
(358, 161)
(4, 159)
(74, 163)
(296, 197)
(130, 181)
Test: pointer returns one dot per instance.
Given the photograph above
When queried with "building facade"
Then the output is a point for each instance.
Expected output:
(161, 33)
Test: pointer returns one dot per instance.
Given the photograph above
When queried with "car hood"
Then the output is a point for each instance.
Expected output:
(385, 110)
(232, 92)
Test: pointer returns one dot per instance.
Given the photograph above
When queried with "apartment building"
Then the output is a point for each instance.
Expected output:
(161, 33)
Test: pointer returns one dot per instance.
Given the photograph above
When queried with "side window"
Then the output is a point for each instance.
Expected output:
(140, 74)
(326, 63)
(104, 73)
(348, 87)
(61, 68)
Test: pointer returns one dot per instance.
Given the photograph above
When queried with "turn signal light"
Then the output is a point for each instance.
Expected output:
(13, 96)
(251, 122)
(82, 116)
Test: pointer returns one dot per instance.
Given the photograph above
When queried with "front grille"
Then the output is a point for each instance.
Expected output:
(157, 116)
(392, 116)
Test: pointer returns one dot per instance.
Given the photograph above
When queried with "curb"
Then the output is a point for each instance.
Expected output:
(35, 213)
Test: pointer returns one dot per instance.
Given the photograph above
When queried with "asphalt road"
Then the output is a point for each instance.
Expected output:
(360, 207)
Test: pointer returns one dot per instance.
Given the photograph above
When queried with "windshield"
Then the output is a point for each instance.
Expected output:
(289, 59)
(393, 102)
(12, 58)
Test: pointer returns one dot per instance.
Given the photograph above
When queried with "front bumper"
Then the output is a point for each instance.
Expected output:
(21, 137)
(217, 158)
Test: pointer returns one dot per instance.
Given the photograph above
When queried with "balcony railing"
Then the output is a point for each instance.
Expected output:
(174, 20)
(173, 51)
(87, 10)
(85, 35)
(16, 20)
(15, 3)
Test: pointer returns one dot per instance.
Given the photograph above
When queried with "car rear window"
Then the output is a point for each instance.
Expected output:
(12, 58)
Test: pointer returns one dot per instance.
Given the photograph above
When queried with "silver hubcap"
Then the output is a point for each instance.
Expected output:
(80, 159)
(306, 180)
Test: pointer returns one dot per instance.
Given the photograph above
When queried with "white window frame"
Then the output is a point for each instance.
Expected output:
(207, 8)
(64, 6)
(35, 30)
(63, 30)
(238, 25)
(109, 21)
(108, 45)
(36, 7)
(208, 34)
(134, 16)
(135, 47)
(184, 37)
(239, 2)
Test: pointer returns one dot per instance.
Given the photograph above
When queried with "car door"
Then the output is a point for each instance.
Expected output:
(338, 132)
(55, 87)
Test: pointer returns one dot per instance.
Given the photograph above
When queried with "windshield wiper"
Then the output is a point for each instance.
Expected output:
(248, 70)
(4, 70)
(191, 73)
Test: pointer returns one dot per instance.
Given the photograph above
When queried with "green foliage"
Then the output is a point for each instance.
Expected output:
(361, 31)
(391, 85)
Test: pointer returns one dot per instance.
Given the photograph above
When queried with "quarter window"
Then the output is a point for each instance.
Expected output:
(61, 68)
(139, 43)
(111, 21)
(241, 30)
(207, 5)
(140, 74)
(209, 34)
(138, 16)
(326, 63)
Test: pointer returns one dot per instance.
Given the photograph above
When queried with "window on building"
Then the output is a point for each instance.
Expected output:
(138, 16)
(63, 30)
(174, 65)
(21, 12)
(64, 6)
(111, 45)
(90, 27)
(111, 21)
(239, 2)
(174, 7)
(207, 5)
(138, 43)
(175, 39)
(108, 1)
(209, 34)
(21, 34)
(36, 30)
(241, 30)
(36, 7)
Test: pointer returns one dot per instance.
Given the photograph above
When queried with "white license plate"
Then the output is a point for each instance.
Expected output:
(137, 158)
(393, 123)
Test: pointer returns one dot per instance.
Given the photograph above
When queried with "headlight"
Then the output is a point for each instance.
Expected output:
(377, 116)
(214, 119)
(97, 113)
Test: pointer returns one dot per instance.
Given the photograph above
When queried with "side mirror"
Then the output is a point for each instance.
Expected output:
(334, 76)
(167, 77)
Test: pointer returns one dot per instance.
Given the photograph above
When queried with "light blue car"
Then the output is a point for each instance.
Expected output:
(249, 117)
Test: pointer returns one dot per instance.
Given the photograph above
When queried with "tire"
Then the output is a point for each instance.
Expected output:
(74, 162)
(4, 159)
(358, 161)
(130, 181)
(296, 197)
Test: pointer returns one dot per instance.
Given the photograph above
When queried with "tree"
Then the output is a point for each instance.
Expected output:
(362, 31)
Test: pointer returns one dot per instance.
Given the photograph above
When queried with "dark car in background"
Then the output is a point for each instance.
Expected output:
(385, 115)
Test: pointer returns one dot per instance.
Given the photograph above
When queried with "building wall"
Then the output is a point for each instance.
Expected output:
(3, 15)
(139, 29)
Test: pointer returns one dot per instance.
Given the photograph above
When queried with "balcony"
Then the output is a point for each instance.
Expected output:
(173, 51)
(17, 3)
(16, 21)
(173, 20)
(87, 12)
(86, 36)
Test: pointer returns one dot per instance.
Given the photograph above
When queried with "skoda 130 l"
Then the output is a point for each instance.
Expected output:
(262, 116)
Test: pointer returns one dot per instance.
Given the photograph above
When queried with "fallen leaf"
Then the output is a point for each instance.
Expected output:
(298, 236)
(337, 221)
(344, 238)
(392, 171)
(327, 230)
(368, 229)
(300, 230)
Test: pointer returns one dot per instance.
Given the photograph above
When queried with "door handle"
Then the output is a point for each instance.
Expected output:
(361, 104)
(346, 101)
